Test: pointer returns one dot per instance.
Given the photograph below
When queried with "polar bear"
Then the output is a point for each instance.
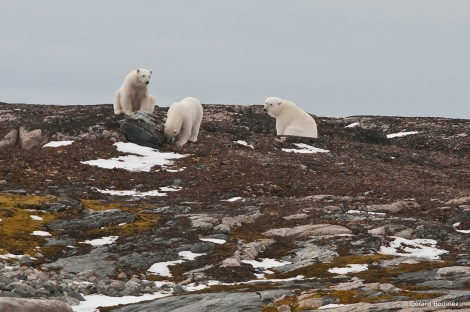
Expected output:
(183, 120)
(290, 119)
(133, 94)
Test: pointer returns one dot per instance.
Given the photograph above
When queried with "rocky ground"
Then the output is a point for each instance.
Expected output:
(369, 223)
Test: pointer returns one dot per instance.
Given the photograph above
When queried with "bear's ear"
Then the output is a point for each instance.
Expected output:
(138, 70)
(150, 72)
(279, 103)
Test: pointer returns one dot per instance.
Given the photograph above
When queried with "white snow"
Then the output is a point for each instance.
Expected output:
(233, 199)
(401, 134)
(172, 188)
(420, 248)
(107, 240)
(214, 240)
(161, 268)
(36, 218)
(266, 263)
(57, 143)
(142, 158)
(331, 306)
(460, 231)
(10, 256)
(136, 193)
(351, 268)
(41, 233)
(244, 143)
(188, 255)
(305, 149)
(354, 124)
(92, 302)
(352, 211)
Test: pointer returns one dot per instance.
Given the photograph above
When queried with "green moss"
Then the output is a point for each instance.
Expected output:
(17, 225)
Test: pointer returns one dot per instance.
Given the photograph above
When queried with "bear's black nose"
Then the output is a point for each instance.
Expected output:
(147, 82)
(265, 109)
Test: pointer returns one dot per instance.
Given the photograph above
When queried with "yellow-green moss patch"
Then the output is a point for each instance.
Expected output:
(16, 225)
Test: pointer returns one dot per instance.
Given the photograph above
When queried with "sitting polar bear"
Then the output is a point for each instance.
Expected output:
(290, 119)
(183, 120)
(133, 94)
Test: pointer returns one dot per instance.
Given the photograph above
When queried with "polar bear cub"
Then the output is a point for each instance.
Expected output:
(133, 94)
(290, 119)
(183, 120)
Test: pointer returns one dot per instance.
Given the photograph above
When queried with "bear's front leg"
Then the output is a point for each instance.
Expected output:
(126, 104)
(147, 104)
(183, 136)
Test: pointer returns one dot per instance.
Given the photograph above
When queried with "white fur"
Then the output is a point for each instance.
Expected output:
(183, 120)
(133, 94)
(290, 119)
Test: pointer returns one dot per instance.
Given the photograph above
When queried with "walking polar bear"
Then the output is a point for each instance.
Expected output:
(290, 119)
(183, 120)
(133, 94)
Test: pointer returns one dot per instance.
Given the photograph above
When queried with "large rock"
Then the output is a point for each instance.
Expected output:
(33, 305)
(10, 139)
(143, 129)
(221, 302)
(309, 230)
(29, 139)
(95, 219)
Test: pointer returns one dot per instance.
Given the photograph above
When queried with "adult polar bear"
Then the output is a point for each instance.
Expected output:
(290, 119)
(133, 94)
(183, 120)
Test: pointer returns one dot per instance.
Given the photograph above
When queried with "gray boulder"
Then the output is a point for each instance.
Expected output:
(143, 129)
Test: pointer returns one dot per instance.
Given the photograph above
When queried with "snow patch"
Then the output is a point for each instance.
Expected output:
(305, 149)
(244, 143)
(136, 193)
(233, 199)
(351, 268)
(107, 240)
(400, 134)
(57, 143)
(41, 233)
(419, 248)
(142, 159)
(161, 268)
(354, 124)
(214, 240)
(456, 225)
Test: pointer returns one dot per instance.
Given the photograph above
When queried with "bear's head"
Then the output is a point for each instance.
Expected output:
(170, 133)
(272, 105)
(143, 76)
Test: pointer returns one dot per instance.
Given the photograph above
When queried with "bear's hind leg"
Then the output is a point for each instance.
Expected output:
(195, 131)
(293, 130)
(117, 103)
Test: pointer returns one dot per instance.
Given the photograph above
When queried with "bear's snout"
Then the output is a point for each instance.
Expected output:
(147, 82)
